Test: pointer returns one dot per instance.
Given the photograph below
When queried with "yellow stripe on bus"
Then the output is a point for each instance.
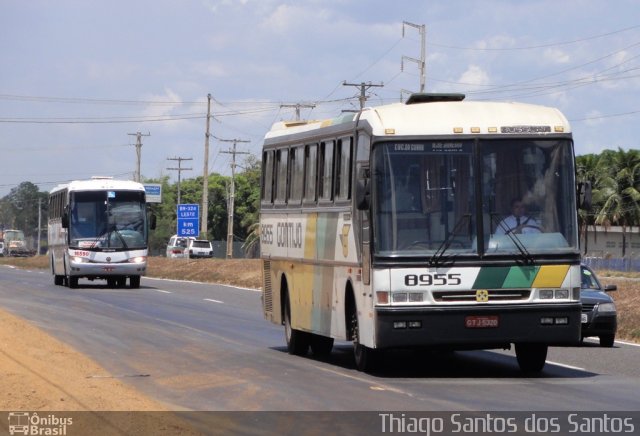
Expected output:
(550, 276)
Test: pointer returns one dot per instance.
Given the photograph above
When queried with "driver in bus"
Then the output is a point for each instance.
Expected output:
(518, 222)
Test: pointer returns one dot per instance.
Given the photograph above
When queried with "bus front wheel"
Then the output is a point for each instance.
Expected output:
(72, 281)
(297, 340)
(365, 357)
(531, 357)
(134, 282)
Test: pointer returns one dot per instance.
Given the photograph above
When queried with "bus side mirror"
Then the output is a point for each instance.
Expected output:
(65, 219)
(152, 221)
(363, 191)
(584, 195)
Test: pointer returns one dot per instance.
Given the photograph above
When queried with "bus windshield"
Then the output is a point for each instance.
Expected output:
(474, 198)
(107, 220)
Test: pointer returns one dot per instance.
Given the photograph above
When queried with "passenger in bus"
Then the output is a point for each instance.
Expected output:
(518, 222)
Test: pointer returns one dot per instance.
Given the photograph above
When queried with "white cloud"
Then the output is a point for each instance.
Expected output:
(474, 75)
(555, 55)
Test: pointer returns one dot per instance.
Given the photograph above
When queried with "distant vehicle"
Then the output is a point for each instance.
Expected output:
(98, 229)
(599, 315)
(200, 248)
(12, 243)
(177, 246)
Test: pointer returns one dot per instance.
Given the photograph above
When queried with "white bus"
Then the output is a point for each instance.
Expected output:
(384, 228)
(98, 230)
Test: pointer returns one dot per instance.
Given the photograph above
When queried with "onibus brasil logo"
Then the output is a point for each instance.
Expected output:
(33, 424)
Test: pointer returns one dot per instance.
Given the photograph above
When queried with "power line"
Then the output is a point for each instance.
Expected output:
(531, 47)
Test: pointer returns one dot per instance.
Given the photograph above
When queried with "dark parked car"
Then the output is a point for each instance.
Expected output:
(599, 316)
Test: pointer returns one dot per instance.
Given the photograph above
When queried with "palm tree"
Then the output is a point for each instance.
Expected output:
(619, 187)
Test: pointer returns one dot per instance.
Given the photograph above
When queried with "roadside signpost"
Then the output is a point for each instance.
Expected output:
(188, 220)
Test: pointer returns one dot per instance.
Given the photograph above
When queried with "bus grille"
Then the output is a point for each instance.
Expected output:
(470, 295)
(268, 290)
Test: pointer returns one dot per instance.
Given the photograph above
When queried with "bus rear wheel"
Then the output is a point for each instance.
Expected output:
(321, 346)
(531, 357)
(297, 340)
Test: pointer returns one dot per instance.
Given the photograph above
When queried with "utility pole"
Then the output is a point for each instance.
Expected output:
(39, 224)
(297, 106)
(138, 136)
(205, 176)
(422, 61)
(180, 170)
(230, 204)
(363, 88)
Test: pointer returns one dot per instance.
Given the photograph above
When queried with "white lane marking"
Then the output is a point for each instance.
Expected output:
(163, 291)
(214, 301)
(205, 283)
(633, 344)
(566, 366)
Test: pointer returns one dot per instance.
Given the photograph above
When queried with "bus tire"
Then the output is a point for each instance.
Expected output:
(121, 281)
(297, 340)
(111, 283)
(134, 282)
(72, 281)
(321, 346)
(58, 280)
(364, 357)
(531, 357)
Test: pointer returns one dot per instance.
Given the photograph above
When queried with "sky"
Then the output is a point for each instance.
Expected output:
(78, 79)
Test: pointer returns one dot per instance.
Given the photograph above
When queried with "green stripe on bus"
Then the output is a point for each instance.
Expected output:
(491, 277)
(520, 276)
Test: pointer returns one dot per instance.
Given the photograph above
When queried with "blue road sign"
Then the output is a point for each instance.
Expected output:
(188, 220)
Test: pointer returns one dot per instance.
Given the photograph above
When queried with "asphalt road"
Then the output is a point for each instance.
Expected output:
(207, 347)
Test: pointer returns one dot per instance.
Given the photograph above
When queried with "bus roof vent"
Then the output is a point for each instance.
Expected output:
(433, 97)
(101, 178)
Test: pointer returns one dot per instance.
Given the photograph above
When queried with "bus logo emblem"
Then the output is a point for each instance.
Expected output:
(482, 296)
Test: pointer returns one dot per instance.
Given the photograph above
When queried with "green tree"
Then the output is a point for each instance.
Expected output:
(618, 187)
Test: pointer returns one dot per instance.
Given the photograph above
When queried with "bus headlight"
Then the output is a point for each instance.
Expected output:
(138, 259)
(78, 259)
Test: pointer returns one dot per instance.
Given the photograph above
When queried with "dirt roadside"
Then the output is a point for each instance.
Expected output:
(39, 373)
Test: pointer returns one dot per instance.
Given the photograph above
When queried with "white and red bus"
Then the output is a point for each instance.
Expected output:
(98, 230)
(384, 228)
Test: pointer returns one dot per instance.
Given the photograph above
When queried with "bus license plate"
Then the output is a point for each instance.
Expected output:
(481, 322)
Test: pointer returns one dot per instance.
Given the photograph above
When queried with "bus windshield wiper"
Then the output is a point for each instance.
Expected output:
(437, 256)
(107, 237)
(516, 241)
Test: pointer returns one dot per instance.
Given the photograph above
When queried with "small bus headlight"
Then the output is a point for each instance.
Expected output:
(138, 259)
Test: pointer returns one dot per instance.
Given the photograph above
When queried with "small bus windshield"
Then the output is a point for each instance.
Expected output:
(107, 220)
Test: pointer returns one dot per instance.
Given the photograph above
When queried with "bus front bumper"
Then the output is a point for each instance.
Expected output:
(96, 270)
(491, 326)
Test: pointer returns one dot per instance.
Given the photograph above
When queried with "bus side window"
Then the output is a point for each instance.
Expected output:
(326, 171)
(281, 175)
(344, 157)
(267, 177)
(296, 180)
(311, 173)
